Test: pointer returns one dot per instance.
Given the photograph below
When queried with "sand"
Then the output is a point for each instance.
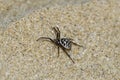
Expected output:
(12, 10)
(95, 25)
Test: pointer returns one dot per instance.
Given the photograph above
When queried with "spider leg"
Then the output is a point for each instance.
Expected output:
(47, 38)
(58, 50)
(77, 44)
(68, 55)
(57, 31)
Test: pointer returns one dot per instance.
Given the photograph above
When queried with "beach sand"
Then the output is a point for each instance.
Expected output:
(95, 25)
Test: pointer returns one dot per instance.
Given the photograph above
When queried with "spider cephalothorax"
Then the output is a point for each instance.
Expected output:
(63, 43)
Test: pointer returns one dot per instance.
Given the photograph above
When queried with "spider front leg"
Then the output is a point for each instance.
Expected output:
(57, 31)
(47, 38)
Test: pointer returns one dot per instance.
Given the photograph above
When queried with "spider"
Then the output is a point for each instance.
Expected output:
(63, 43)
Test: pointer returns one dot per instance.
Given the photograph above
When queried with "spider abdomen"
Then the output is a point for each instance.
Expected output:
(66, 43)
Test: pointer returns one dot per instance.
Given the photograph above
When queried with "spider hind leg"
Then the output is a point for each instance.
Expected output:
(68, 55)
(77, 44)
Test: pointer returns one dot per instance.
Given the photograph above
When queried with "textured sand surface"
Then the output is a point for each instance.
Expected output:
(95, 25)
(12, 10)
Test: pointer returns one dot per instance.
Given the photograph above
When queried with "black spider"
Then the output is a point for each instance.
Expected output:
(63, 43)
